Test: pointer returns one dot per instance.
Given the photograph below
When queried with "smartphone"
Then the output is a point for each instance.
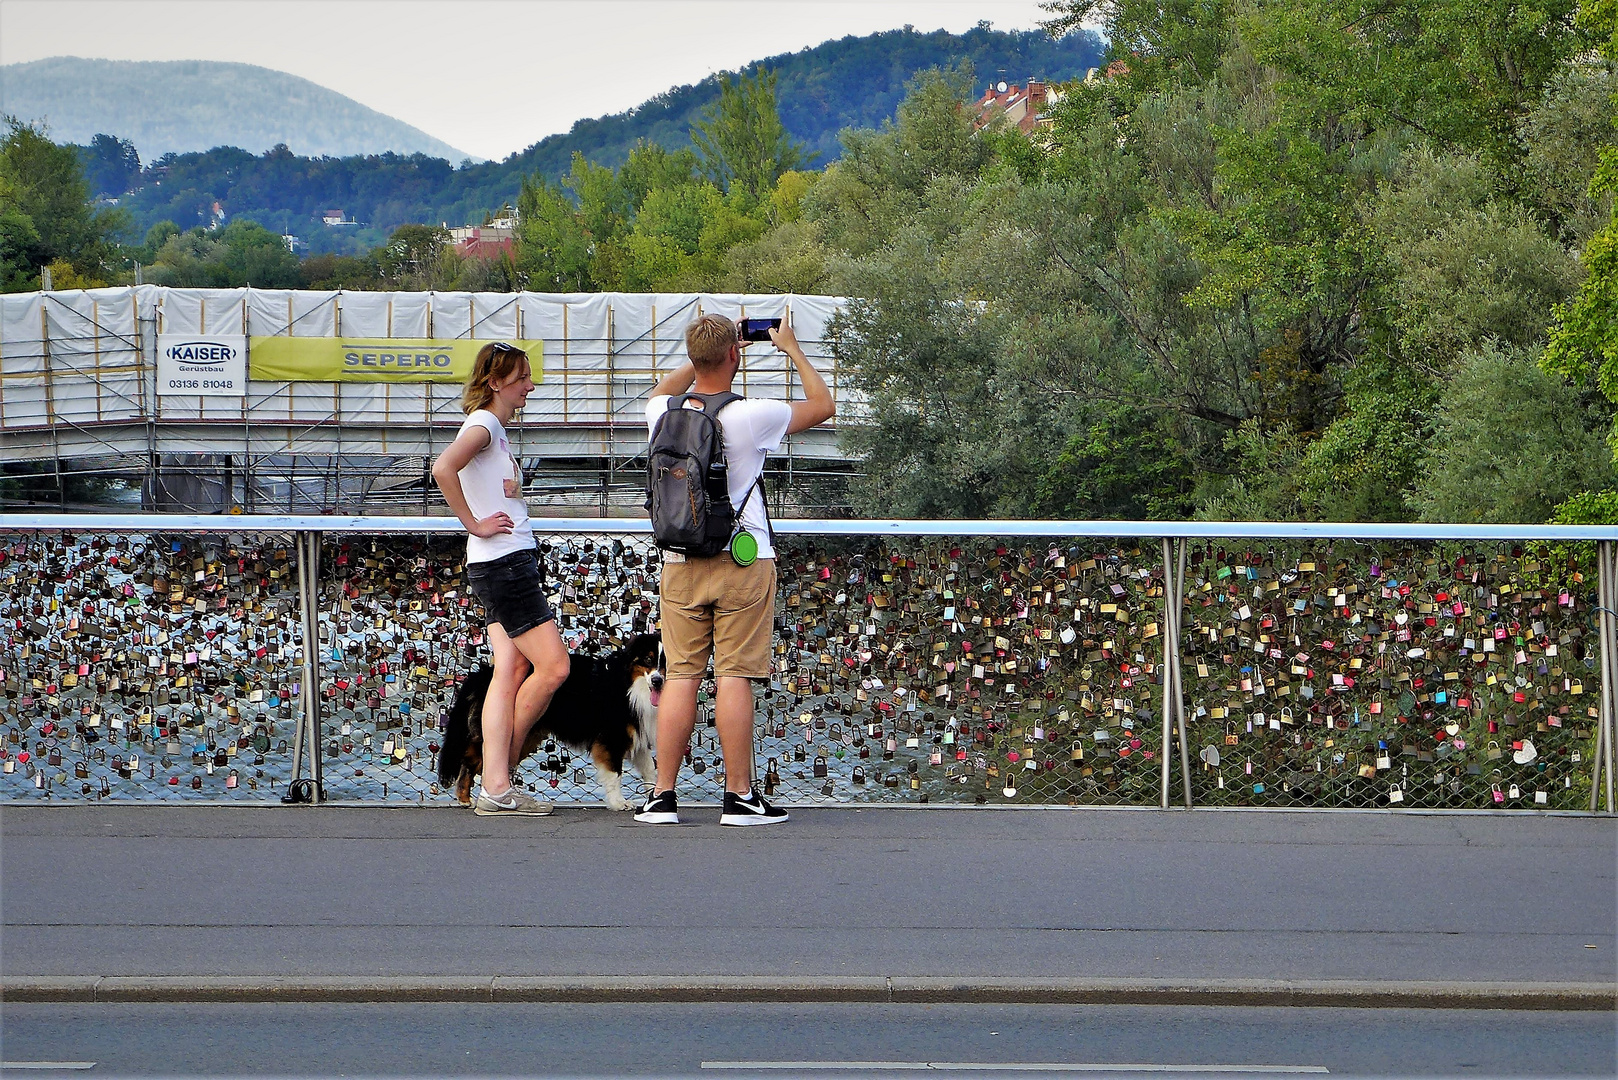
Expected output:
(757, 329)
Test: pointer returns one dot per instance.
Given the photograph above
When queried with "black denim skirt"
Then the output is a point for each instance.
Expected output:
(510, 592)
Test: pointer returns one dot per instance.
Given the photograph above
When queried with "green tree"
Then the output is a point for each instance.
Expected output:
(790, 258)
(1584, 339)
(241, 253)
(649, 167)
(331, 271)
(111, 165)
(256, 256)
(1511, 442)
(45, 190)
(156, 237)
(1180, 38)
(926, 366)
(1461, 73)
(1464, 264)
(1365, 462)
(878, 185)
(417, 257)
(740, 139)
(1564, 136)
(664, 249)
(20, 248)
(1123, 466)
(1588, 508)
(553, 245)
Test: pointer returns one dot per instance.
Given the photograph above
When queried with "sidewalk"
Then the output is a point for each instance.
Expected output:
(200, 903)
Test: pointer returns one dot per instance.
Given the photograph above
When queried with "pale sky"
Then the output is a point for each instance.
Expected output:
(489, 77)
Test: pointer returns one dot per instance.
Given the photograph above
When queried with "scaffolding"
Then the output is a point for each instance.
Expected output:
(79, 399)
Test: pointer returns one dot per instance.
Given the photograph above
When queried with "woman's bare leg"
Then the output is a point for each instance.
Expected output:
(511, 671)
(542, 649)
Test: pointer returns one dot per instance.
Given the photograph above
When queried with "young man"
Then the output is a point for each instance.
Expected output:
(713, 606)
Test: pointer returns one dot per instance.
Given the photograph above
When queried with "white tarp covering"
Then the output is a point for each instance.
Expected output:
(82, 357)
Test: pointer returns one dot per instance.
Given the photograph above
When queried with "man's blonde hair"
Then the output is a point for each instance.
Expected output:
(708, 341)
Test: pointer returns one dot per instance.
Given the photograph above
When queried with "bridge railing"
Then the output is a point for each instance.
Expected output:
(1001, 663)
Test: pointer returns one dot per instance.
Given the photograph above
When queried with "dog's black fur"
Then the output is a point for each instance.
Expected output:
(606, 707)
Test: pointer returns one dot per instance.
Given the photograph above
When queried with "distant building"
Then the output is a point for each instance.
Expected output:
(1023, 107)
(331, 218)
(294, 243)
(1115, 70)
(495, 240)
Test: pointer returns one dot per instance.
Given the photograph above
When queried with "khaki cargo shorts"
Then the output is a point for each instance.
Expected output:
(714, 608)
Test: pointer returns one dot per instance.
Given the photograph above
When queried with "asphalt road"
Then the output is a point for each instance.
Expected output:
(691, 1040)
(103, 890)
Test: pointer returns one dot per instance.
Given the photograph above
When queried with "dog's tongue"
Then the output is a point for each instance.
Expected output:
(656, 696)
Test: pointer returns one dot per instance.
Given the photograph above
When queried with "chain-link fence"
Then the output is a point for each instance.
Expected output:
(1433, 675)
(147, 666)
(908, 669)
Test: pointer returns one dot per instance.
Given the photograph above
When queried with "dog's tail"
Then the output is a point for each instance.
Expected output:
(465, 723)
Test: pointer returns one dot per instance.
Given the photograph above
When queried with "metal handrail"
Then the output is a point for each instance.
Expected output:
(1174, 530)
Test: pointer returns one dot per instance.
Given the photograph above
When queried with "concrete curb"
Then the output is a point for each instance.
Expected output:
(874, 988)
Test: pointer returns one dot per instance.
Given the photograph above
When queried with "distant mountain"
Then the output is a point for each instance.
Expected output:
(178, 106)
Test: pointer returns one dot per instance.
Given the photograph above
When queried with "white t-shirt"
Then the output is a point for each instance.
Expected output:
(483, 483)
(753, 427)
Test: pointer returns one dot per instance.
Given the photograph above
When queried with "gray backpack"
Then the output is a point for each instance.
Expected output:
(688, 479)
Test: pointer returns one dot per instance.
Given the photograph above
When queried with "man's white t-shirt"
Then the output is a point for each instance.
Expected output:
(753, 427)
(483, 483)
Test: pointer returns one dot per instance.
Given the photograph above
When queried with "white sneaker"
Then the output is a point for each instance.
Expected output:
(514, 801)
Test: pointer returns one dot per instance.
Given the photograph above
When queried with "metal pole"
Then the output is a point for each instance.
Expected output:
(1601, 767)
(312, 661)
(1604, 712)
(1170, 647)
(307, 735)
(1603, 604)
(1179, 674)
(303, 706)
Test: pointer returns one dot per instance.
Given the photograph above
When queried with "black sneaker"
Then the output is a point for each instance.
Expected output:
(660, 809)
(752, 810)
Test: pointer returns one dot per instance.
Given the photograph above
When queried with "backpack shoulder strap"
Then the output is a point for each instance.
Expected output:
(711, 403)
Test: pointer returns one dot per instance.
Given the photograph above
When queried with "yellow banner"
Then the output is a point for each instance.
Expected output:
(393, 360)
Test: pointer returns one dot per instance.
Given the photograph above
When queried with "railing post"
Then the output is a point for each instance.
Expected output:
(306, 739)
(1171, 651)
(312, 658)
(1601, 765)
(1179, 674)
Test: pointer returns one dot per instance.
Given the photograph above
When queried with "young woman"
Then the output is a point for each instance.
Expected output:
(482, 483)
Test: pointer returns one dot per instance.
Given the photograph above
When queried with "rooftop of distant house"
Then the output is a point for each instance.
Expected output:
(1022, 106)
(493, 239)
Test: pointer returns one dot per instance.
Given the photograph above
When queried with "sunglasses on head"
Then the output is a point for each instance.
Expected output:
(501, 346)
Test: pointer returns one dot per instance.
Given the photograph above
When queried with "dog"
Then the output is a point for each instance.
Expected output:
(607, 706)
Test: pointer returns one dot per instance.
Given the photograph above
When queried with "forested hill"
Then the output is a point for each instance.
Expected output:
(852, 82)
